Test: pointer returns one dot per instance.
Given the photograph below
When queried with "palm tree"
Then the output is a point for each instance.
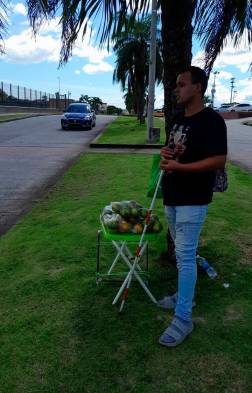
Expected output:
(132, 65)
(214, 21)
(176, 18)
(3, 23)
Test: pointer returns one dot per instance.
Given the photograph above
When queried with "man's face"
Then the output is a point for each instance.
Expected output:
(185, 90)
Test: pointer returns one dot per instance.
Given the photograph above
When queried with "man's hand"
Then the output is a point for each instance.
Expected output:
(170, 165)
(167, 153)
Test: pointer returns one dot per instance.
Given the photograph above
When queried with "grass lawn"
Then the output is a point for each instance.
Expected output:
(17, 116)
(126, 129)
(59, 331)
(248, 123)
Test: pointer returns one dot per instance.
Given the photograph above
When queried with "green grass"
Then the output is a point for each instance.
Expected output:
(59, 331)
(247, 123)
(18, 116)
(126, 129)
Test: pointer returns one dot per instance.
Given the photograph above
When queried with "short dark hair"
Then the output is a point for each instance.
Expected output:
(198, 76)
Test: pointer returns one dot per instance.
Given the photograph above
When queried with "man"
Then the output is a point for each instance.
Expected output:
(197, 147)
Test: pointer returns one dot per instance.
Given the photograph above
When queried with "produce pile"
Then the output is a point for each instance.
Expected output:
(128, 217)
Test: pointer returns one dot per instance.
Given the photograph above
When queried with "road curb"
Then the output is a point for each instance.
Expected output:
(123, 146)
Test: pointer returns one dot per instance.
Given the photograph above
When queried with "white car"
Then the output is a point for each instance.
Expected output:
(240, 108)
(224, 108)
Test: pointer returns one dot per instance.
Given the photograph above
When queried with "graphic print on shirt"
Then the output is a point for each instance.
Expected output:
(178, 135)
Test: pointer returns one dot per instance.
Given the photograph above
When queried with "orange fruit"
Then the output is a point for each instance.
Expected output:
(124, 226)
(138, 228)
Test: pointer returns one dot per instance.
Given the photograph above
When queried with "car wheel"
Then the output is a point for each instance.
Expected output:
(232, 110)
(63, 127)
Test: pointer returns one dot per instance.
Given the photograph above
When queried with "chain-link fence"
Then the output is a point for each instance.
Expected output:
(22, 96)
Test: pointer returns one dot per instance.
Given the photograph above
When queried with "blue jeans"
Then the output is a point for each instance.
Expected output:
(185, 223)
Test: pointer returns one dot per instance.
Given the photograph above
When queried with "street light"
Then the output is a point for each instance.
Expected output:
(213, 87)
(232, 82)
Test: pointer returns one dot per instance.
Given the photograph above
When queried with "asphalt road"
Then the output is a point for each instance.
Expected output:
(34, 152)
(240, 143)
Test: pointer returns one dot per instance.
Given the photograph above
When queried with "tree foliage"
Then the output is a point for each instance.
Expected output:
(94, 102)
(214, 21)
(132, 64)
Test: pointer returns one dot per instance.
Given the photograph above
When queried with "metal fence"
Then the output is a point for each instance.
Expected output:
(22, 96)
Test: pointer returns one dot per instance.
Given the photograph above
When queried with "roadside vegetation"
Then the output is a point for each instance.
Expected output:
(59, 331)
(127, 130)
(19, 116)
(248, 123)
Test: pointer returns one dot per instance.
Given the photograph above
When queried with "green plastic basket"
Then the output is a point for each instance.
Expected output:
(130, 237)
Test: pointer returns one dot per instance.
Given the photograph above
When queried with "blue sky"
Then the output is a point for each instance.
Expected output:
(34, 64)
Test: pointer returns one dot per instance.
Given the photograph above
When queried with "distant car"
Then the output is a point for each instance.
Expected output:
(223, 108)
(240, 108)
(158, 113)
(78, 115)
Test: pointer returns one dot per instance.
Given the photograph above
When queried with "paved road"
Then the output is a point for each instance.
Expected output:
(34, 152)
(240, 143)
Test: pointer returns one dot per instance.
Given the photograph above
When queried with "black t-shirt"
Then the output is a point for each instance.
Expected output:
(205, 135)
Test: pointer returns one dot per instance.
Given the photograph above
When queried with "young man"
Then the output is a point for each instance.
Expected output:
(197, 148)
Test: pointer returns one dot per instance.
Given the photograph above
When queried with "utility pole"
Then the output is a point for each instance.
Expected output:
(152, 70)
(213, 87)
(59, 84)
(232, 82)
(235, 92)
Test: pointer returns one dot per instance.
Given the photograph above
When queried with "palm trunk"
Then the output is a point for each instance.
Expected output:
(140, 80)
(177, 48)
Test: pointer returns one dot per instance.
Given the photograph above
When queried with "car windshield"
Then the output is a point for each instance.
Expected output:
(78, 109)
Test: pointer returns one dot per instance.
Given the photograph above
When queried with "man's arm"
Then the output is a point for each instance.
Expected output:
(208, 164)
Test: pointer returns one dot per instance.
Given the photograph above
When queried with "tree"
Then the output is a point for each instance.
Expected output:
(3, 23)
(3, 96)
(130, 101)
(207, 99)
(214, 21)
(84, 98)
(94, 102)
(218, 19)
(111, 110)
(131, 47)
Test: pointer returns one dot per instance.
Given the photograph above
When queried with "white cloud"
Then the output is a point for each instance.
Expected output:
(242, 88)
(100, 67)
(24, 48)
(225, 75)
(51, 26)
(239, 57)
(19, 8)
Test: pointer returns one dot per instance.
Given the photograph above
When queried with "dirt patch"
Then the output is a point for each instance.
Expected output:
(233, 313)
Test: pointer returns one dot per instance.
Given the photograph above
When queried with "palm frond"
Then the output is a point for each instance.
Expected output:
(217, 20)
(3, 24)
(113, 16)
